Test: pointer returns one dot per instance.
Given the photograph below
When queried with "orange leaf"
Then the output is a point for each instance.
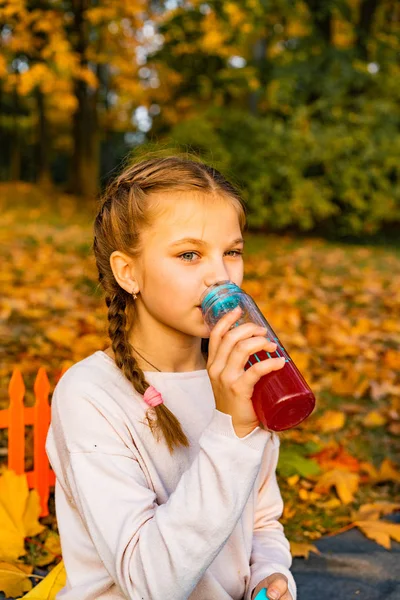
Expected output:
(333, 457)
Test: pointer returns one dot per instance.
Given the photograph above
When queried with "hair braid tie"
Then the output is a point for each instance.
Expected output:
(152, 397)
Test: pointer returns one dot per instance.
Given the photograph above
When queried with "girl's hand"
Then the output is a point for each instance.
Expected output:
(276, 585)
(228, 353)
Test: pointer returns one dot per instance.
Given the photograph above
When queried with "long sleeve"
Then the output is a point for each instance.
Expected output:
(270, 549)
(150, 550)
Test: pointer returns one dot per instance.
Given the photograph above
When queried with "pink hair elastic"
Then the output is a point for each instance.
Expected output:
(152, 397)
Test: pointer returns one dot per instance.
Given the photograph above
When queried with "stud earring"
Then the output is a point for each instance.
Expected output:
(134, 295)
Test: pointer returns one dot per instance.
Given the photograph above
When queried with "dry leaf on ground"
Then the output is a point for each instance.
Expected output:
(302, 549)
(19, 514)
(345, 483)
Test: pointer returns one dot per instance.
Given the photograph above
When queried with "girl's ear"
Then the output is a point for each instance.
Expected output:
(121, 265)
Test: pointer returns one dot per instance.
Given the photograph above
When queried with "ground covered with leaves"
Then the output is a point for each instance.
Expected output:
(334, 306)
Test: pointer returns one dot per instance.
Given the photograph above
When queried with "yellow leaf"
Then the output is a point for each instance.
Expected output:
(19, 514)
(63, 336)
(31, 514)
(330, 504)
(303, 494)
(372, 511)
(49, 587)
(387, 472)
(380, 531)
(331, 420)
(374, 419)
(346, 484)
(302, 549)
(293, 480)
(14, 579)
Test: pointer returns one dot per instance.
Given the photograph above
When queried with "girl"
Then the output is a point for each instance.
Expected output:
(165, 481)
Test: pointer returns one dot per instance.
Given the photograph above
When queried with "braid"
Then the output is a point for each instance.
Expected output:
(164, 419)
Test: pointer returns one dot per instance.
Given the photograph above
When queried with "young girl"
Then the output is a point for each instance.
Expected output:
(165, 480)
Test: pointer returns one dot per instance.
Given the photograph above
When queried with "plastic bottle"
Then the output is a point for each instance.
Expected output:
(282, 399)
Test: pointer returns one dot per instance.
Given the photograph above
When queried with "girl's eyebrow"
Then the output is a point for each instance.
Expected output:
(198, 242)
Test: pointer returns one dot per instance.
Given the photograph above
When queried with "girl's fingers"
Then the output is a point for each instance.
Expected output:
(219, 330)
(240, 353)
(278, 587)
(232, 343)
(256, 371)
(287, 596)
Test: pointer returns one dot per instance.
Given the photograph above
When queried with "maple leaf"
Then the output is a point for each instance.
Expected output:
(302, 549)
(346, 484)
(372, 511)
(19, 514)
(335, 456)
(387, 471)
(49, 587)
(14, 578)
(380, 531)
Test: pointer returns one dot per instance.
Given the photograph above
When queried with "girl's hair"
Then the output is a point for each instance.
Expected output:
(126, 209)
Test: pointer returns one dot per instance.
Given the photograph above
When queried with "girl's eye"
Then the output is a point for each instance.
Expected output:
(235, 252)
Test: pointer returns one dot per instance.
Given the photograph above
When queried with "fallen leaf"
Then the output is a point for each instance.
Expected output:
(292, 460)
(331, 420)
(49, 587)
(374, 419)
(19, 514)
(380, 531)
(61, 336)
(387, 472)
(330, 504)
(372, 511)
(14, 579)
(293, 480)
(302, 549)
(335, 456)
(346, 484)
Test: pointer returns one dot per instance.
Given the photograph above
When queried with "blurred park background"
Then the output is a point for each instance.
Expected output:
(298, 103)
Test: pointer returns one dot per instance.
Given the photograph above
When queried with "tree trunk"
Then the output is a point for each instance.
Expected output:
(259, 58)
(43, 175)
(367, 13)
(15, 160)
(84, 179)
(321, 12)
(85, 163)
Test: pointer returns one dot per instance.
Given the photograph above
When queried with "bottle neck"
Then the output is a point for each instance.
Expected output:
(218, 292)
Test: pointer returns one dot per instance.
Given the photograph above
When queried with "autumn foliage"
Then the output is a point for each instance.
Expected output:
(334, 307)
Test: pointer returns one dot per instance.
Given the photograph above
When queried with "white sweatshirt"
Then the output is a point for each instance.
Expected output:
(136, 522)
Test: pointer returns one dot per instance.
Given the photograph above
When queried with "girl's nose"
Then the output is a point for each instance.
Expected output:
(217, 276)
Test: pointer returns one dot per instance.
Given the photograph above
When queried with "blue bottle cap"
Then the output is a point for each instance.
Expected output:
(218, 299)
(262, 595)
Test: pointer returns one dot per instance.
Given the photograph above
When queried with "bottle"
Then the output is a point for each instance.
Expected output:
(282, 399)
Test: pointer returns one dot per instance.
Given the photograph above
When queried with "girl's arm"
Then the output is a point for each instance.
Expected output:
(150, 550)
(270, 550)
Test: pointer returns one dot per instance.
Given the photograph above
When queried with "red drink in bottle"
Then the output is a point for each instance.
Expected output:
(282, 399)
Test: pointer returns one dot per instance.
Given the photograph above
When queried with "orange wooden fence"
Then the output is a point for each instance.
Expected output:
(16, 417)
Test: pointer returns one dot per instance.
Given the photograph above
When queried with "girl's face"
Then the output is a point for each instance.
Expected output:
(172, 274)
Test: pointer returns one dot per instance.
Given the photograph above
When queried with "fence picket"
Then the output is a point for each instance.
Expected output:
(15, 418)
